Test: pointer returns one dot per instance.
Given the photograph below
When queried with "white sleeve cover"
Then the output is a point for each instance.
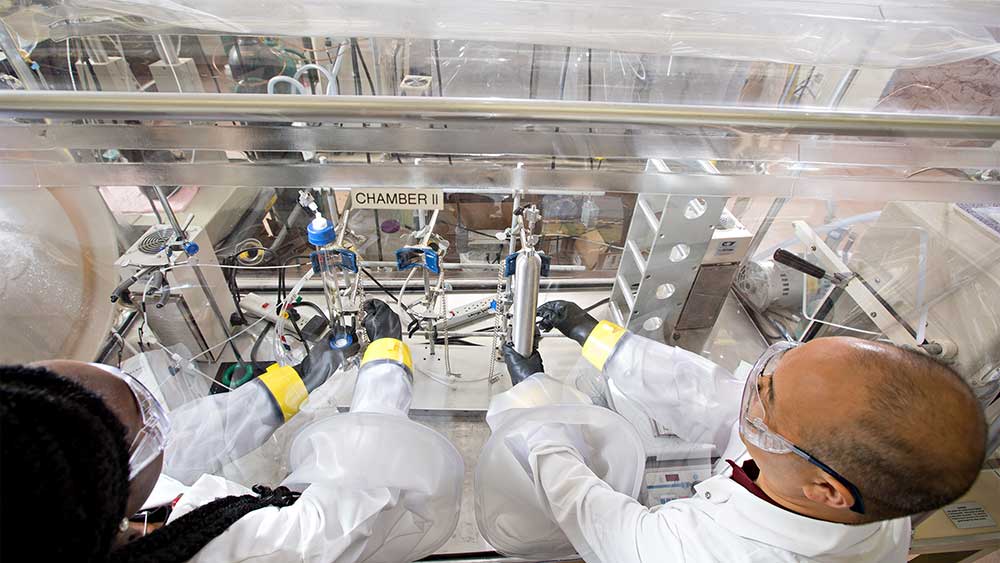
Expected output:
(604, 526)
(383, 387)
(691, 396)
(326, 524)
(209, 432)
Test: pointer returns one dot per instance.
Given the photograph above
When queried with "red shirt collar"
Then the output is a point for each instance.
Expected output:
(745, 477)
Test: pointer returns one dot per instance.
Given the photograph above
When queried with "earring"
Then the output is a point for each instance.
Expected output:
(123, 525)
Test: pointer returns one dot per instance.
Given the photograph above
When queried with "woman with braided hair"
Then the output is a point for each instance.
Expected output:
(82, 447)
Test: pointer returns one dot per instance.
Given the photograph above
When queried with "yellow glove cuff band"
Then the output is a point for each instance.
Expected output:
(601, 342)
(286, 387)
(388, 349)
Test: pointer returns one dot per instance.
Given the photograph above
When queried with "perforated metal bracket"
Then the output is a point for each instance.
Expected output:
(667, 240)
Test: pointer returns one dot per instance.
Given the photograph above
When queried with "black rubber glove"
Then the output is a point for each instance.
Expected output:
(568, 317)
(323, 360)
(519, 367)
(381, 321)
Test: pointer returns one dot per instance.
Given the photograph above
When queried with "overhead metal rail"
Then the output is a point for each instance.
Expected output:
(392, 109)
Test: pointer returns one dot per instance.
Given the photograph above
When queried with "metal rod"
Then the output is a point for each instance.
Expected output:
(467, 141)
(562, 77)
(264, 108)
(331, 207)
(270, 284)
(165, 48)
(422, 222)
(355, 69)
(489, 334)
(841, 90)
(10, 48)
(376, 66)
(378, 234)
(223, 322)
(279, 239)
(765, 226)
(789, 84)
(95, 50)
(169, 212)
(342, 227)
(182, 237)
(512, 239)
(429, 226)
(469, 266)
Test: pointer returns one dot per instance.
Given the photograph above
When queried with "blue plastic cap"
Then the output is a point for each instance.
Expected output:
(191, 248)
(320, 232)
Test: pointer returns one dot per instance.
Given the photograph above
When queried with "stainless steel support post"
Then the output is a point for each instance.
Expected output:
(765, 225)
(842, 87)
(182, 236)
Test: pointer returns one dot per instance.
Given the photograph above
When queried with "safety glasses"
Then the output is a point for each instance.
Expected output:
(755, 430)
(153, 436)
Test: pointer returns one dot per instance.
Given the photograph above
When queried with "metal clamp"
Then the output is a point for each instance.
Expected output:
(342, 259)
(425, 257)
(510, 264)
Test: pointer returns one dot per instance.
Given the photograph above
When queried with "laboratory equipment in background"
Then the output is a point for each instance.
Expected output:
(424, 253)
(935, 266)
(165, 291)
(712, 284)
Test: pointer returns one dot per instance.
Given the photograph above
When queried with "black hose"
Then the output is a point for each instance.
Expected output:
(389, 293)
(258, 341)
(313, 306)
(604, 301)
(302, 338)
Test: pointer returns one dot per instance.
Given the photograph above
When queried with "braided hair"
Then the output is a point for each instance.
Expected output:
(64, 473)
(183, 538)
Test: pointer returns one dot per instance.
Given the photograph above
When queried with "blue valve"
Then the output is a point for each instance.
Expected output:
(191, 248)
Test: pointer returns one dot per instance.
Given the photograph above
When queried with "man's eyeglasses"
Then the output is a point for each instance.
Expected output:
(755, 430)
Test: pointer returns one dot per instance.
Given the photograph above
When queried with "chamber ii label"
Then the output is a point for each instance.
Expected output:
(393, 198)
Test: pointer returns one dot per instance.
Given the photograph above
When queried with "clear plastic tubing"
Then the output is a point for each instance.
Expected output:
(287, 357)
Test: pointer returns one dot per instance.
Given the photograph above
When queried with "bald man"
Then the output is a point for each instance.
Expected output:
(832, 446)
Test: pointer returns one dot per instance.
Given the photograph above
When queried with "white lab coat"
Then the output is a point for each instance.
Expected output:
(699, 401)
(359, 501)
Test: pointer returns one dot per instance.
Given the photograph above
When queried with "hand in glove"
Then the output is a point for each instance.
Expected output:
(568, 318)
(519, 367)
(381, 321)
(323, 360)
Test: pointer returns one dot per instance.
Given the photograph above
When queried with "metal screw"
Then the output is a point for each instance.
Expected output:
(873, 314)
